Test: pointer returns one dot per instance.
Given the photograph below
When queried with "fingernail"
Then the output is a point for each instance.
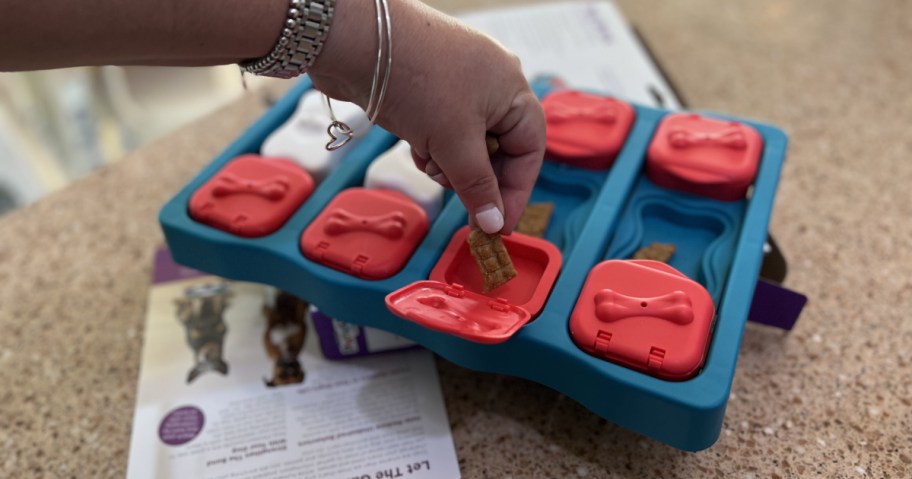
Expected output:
(489, 218)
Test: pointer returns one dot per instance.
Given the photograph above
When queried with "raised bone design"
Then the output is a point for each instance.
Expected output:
(601, 112)
(273, 188)
(613, 306)
(389, 225)
(731, 137)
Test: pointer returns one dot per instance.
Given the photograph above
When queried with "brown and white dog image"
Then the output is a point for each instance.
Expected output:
(284, 338)
(200, 310)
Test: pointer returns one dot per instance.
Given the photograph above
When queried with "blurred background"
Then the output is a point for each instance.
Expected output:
(56, 126)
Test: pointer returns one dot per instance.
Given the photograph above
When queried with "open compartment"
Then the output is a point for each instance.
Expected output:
(537, 263)
(572, 192)
(699, 235)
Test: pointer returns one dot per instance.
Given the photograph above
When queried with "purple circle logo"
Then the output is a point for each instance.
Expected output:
(181, 425)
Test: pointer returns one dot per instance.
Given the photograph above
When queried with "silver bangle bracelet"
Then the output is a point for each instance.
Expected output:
(339, 132)
(302, 38)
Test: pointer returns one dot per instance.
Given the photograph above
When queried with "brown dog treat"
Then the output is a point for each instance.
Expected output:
(492, 144)
(492, 258)
(656, 251)
(535, 218)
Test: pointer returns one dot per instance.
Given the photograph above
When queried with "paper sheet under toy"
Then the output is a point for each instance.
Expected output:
(209, 404)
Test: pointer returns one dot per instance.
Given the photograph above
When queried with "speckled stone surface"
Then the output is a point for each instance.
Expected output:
(830, 399)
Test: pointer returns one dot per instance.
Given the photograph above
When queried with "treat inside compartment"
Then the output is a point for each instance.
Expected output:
(568, 193)
(537, 263)
(696, 235)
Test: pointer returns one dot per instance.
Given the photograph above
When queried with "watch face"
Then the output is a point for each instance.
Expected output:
(585, 130)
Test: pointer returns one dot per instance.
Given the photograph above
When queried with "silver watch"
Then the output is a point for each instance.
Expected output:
(301, 41)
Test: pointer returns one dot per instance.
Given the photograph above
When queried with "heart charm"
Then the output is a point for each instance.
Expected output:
(339, 134)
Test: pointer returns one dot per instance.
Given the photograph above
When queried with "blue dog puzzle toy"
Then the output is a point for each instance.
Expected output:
(620, 177)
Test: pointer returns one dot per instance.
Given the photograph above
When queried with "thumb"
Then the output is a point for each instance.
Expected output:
(466, 165)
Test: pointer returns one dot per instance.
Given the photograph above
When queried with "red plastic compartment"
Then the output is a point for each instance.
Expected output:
(704, 156)
(367, 233)
(483, 317)
(644, 315)
(537, 264)
(586, 130)
(251, 196)
(455, 310)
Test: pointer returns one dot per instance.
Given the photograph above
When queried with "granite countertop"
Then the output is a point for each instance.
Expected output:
(830, 399)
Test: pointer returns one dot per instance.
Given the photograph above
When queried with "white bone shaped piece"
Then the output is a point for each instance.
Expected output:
(303, 137)
(395, 170)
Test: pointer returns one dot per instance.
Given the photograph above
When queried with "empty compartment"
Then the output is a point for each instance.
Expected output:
(251, 196)
(370, 234)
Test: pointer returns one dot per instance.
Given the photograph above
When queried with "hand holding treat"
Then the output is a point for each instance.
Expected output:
(449, 85)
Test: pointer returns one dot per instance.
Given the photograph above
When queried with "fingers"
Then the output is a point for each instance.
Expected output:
(430, 168)
(522, 149)
(419, 160)
(465, 164)
(495, 190)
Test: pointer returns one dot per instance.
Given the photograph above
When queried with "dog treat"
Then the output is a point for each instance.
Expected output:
(492, 144)
(492, 258)
(656, 251)
(535, 218)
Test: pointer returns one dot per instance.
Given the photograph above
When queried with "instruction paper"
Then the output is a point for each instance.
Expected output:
(589, 45)
(233, 384)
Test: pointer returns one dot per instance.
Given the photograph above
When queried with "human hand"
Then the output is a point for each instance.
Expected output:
(449, 86)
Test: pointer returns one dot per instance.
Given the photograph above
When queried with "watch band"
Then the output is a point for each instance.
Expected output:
(301, 41)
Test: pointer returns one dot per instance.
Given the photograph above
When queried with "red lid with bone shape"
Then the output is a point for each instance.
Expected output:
(644, 315)
(586, 130)
(251, 196)
(452, 309)
(704, 156)
(367, 233)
